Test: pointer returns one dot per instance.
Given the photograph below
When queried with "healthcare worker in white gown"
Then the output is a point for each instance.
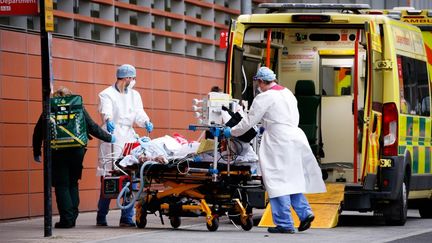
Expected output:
(288, 165)
(121, 107)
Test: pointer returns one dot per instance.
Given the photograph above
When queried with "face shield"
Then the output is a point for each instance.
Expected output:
(131, 83)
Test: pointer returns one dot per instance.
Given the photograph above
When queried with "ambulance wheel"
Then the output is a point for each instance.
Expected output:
(396, 212)
(175, 222)
(425, 210)
(248, 224)
(215, 224)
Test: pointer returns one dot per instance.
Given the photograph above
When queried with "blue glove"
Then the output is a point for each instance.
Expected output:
(145, 139)
(37, 158)
(215, 131)
(110, 126)
(113, 138)
(149, 126)
(227, 132)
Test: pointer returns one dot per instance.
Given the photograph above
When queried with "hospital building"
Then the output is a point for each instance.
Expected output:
(174, 45)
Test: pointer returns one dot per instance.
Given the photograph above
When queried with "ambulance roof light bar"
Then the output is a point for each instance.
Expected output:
(276, 7)
(403, 8)
(411, 11)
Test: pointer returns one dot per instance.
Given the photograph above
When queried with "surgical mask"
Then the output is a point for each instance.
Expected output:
(131, 84)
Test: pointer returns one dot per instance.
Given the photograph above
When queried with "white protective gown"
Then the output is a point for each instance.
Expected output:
(288, 165)
(124, 109)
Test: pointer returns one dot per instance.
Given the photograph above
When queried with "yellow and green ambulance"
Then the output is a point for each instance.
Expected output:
(363, 85)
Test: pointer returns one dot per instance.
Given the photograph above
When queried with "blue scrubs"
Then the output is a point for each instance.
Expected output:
(281, 209)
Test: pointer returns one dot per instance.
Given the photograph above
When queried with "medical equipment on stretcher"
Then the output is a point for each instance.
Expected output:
(113, 185)
(208, 110)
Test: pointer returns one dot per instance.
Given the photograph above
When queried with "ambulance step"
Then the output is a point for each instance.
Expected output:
(356, 198)
(326, 207)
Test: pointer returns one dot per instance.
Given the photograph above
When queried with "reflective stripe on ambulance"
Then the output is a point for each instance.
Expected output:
(415, 136)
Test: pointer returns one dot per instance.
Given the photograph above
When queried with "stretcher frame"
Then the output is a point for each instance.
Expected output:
(194, 189)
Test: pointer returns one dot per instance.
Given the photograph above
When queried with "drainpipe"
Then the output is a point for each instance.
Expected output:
(246, 6)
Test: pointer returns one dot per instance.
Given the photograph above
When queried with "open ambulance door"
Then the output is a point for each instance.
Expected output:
(233, 70)
(371, 123)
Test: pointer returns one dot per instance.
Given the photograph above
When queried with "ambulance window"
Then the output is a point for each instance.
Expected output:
(237, 77)
(250, 67)
(414, 86)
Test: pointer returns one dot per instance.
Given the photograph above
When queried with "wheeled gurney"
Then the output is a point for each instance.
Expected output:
(185, 187)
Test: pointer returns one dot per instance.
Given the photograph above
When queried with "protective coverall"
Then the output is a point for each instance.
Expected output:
(287, 163)
(124, 109)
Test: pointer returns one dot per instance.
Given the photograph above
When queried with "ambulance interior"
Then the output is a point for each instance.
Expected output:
(318, 67)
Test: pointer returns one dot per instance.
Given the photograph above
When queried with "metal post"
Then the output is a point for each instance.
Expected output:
(228, 141)
(215, 159)
(46, 107)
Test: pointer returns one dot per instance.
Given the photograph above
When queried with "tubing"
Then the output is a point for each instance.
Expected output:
(126, 188)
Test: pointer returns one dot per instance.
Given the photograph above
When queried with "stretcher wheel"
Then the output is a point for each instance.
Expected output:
(248, 225)
(175, 222)
(215, 224)
(141, 220)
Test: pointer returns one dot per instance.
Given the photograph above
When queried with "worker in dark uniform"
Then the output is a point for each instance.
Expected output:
(67, 165)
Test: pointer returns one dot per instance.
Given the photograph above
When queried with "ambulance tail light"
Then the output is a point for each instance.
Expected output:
(390, 129)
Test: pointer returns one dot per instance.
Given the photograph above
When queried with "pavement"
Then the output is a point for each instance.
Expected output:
(352, 227)
(32, 230)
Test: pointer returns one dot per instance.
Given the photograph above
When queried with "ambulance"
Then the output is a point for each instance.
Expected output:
(363, 85)
(419, 18)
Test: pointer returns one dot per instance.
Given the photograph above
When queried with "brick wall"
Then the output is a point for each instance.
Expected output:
(167, 84)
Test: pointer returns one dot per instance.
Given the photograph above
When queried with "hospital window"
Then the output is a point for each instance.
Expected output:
(95, 10)
(414, 87)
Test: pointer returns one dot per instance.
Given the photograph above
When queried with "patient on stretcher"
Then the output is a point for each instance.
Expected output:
(165, 149)
(160, 159)
(160, 150)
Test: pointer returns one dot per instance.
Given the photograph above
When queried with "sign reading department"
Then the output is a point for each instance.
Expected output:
(18, 7)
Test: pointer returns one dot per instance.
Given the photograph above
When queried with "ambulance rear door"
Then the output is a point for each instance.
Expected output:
(372, 119)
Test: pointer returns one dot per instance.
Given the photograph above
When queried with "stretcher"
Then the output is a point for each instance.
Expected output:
(188, 187)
